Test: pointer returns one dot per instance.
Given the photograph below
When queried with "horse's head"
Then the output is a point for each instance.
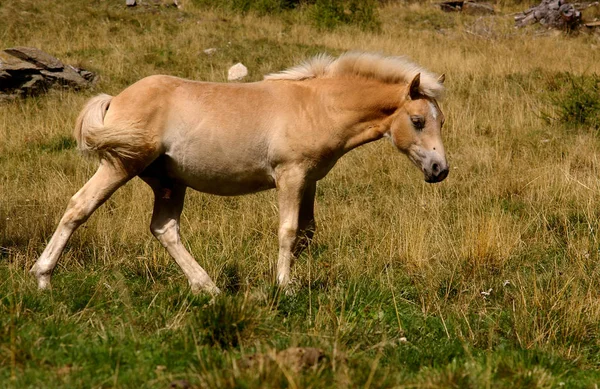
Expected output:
(416, 131)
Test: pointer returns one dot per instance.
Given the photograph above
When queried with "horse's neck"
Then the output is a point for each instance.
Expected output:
(360, 109)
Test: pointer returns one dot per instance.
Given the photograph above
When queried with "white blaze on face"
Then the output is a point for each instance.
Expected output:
(434, 111)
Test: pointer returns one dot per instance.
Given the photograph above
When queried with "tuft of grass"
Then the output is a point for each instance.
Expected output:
(230, 321)
(323, 14)
(330, 14)
(576, 100)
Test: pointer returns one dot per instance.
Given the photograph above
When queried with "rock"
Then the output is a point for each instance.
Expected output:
(467, 7)
(27, 71)
(130, 3)
(298, 358)
(180, 384)
(471, 8)
(34, 86)
(210, 51)
(9, 64)
(68, 77)
(36, 57)
(87, 75)
(293, 358)
(237, 72)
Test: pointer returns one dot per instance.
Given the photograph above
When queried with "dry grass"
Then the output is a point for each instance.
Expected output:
(517, 218)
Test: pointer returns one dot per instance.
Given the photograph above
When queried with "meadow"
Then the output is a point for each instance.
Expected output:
(490, 279)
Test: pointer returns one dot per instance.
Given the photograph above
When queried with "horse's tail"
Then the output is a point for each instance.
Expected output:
(122, 142)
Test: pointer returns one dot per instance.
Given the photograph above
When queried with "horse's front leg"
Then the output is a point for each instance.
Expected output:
(306, 219)
(291, 186)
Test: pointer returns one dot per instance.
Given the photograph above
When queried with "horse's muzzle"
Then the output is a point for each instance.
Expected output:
(437, 174)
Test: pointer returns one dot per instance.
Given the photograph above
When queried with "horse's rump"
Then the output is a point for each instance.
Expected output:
(121, 142)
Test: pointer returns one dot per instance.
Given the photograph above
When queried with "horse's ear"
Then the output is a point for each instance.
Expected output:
(442, 79)
(413, 89)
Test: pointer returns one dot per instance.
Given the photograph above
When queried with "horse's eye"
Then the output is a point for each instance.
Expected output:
(418, 122)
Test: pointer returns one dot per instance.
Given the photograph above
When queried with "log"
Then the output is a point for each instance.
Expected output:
(556, 14)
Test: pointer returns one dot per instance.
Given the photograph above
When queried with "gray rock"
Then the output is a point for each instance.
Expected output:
(36, 57)
(67, 78)
(89, 76)
(26, 71)
(467, 7)
(9, 63)
(472, 8)
(34, 86)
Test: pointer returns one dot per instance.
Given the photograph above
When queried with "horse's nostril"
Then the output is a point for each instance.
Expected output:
(443, 174)
(435, 168)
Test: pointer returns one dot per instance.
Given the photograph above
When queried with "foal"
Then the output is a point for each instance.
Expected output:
(285, 132)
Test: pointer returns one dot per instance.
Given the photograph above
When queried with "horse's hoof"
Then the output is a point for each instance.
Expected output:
(203, 288)
(43, 281)
(292, 287)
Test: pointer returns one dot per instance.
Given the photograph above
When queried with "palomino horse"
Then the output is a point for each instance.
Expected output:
(285, 132)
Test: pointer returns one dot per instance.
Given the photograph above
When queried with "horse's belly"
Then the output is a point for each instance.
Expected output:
(225, 177)
(227, 186)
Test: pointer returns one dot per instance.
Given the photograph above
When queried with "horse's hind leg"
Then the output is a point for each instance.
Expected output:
(100, 187)
(168, 204)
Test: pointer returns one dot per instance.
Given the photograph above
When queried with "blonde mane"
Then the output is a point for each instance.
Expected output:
(389, 70)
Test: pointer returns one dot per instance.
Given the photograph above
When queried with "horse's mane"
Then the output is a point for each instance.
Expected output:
(389, 70)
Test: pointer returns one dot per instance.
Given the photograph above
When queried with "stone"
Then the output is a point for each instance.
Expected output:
(180, 384)
(467, 7)
(89, 76)
(237, 72)
(130, 3)
(298, 358)
(471, 8)
(293, 358)
(210, 51)
(9, 63)
(34, 85)
(36, 57)
(68, 77)
(27, 71)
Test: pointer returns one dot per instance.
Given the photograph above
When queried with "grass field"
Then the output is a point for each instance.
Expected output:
(490, 279)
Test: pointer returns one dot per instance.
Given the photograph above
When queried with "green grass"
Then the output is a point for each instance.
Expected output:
(576, 100)
(115, 330)
(391, 289)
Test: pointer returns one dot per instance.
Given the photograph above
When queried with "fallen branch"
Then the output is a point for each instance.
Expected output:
(553, 14)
